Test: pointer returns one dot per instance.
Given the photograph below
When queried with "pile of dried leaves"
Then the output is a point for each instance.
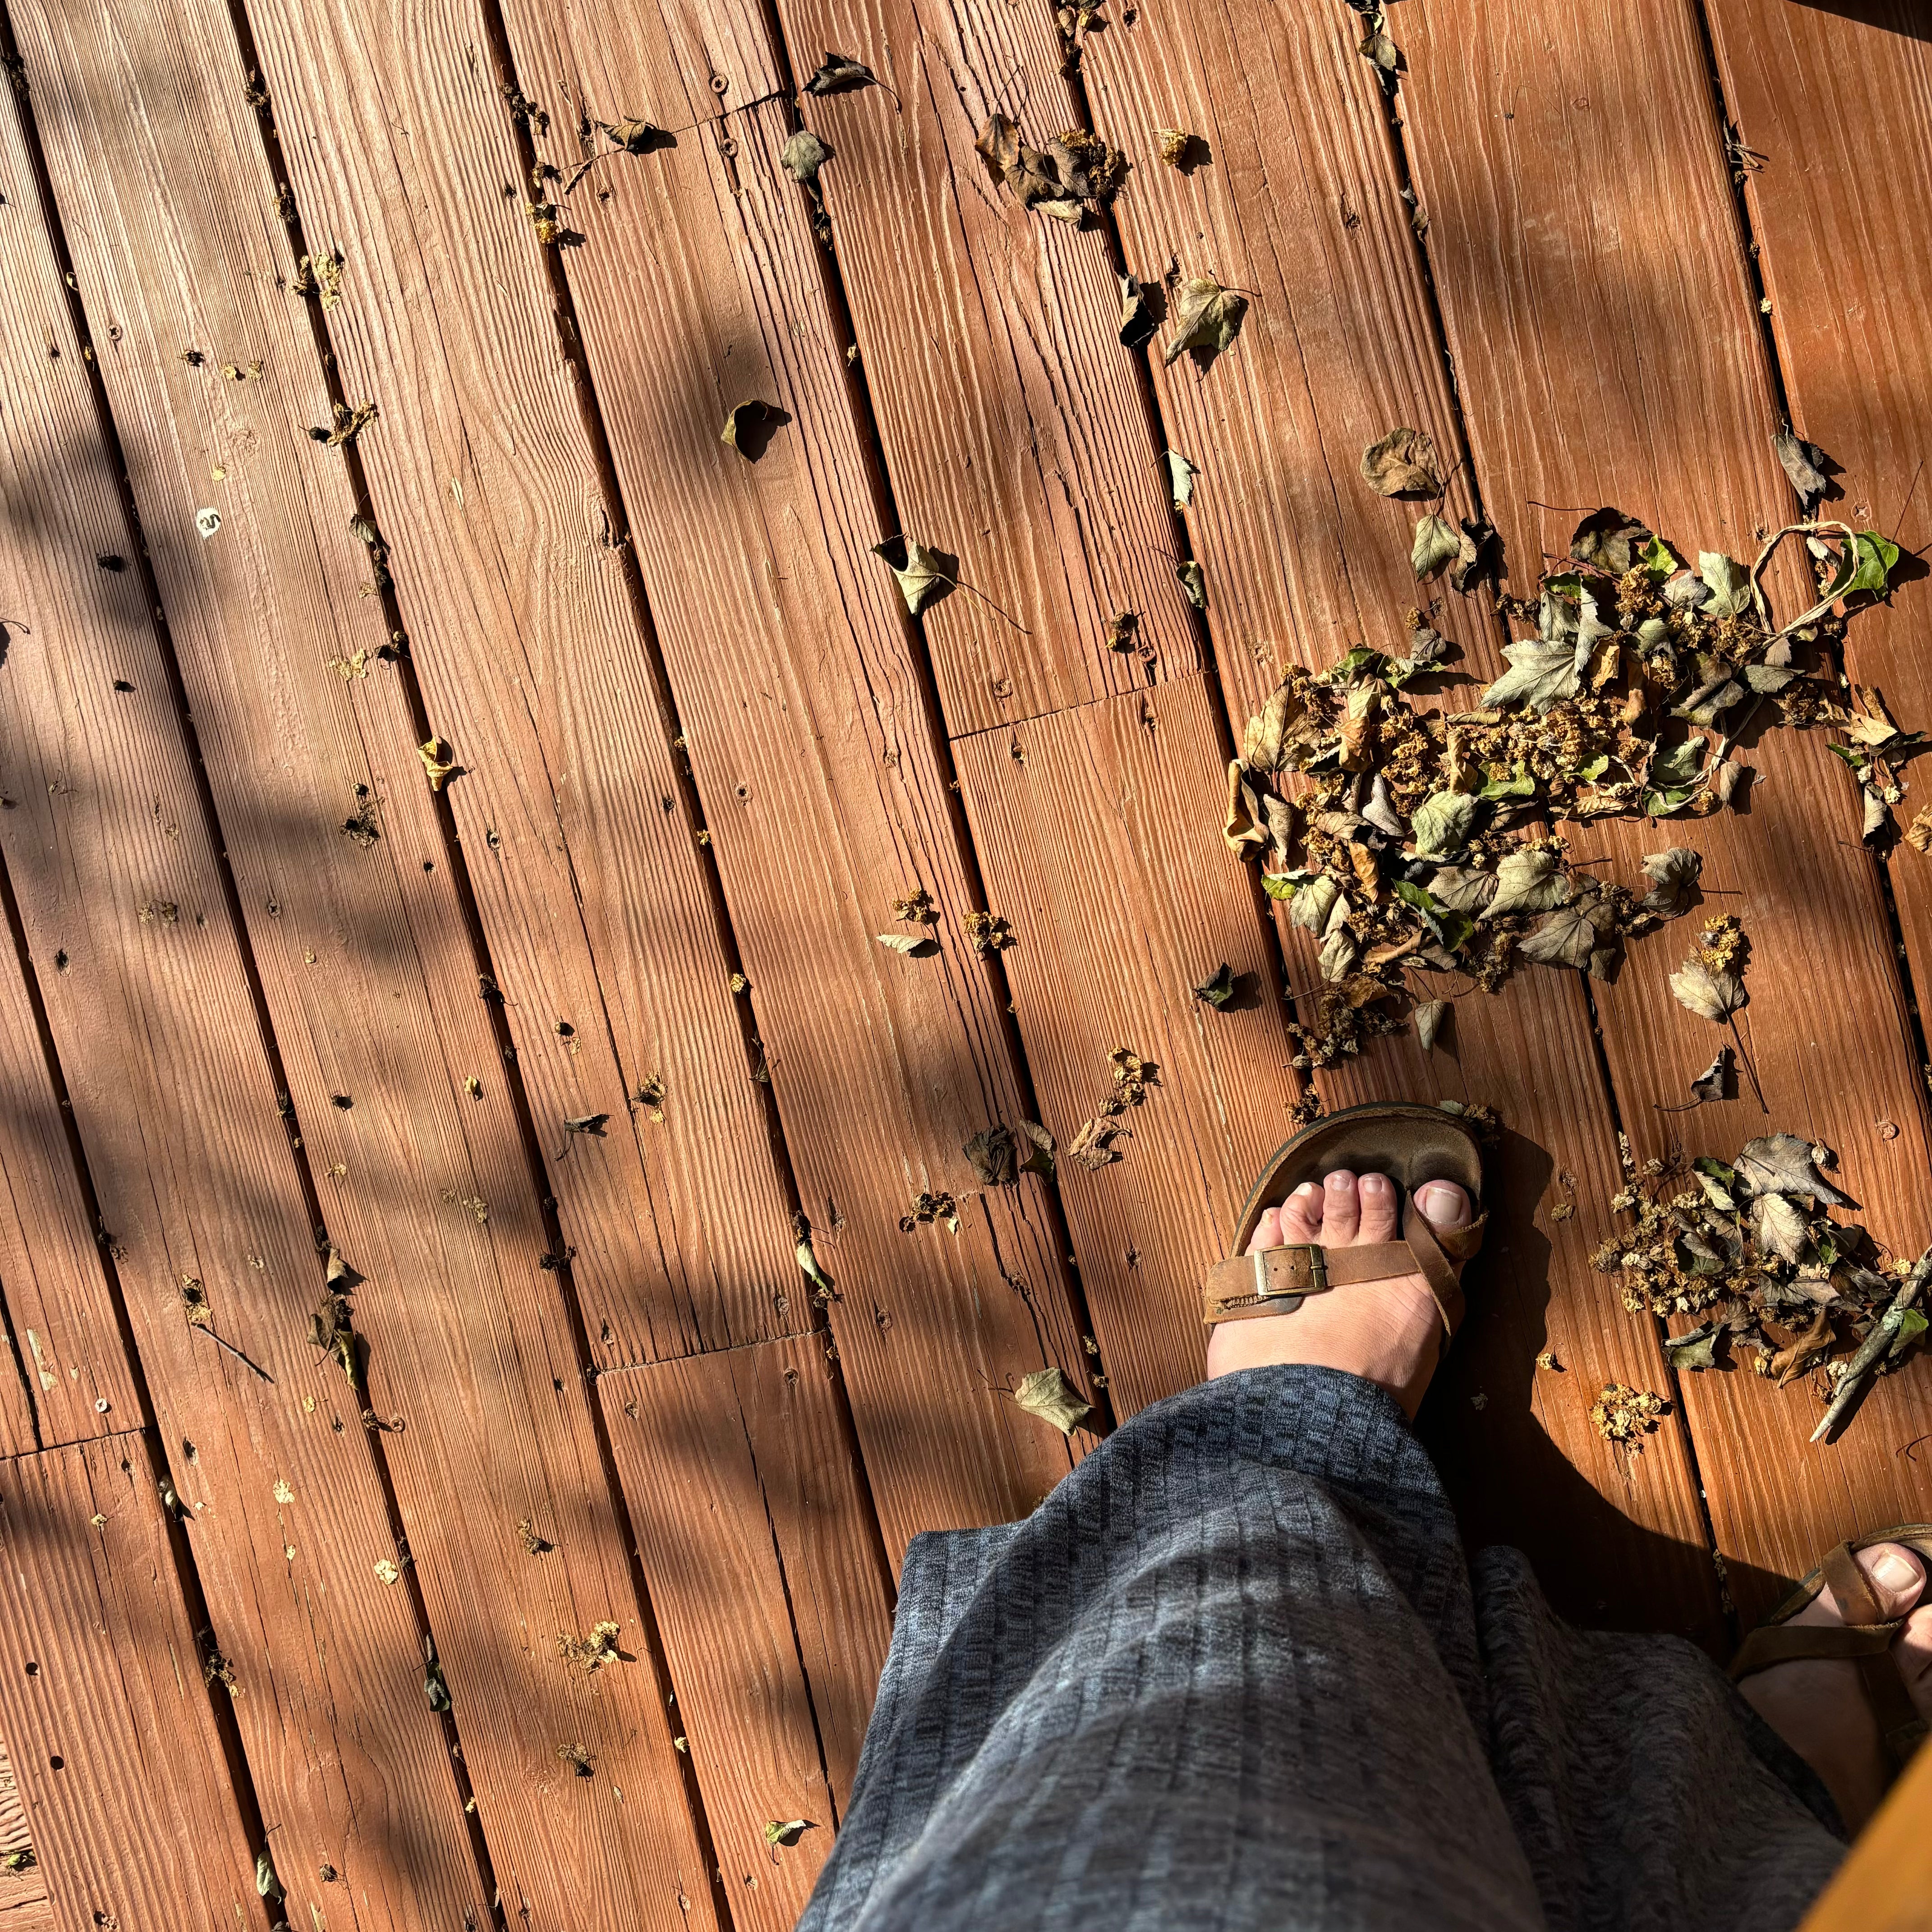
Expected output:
(1420, 839)
(1751, 1249)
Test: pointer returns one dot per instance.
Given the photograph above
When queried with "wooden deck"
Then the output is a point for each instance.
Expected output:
(572, 1057)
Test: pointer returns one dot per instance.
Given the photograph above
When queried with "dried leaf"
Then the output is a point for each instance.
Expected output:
(1437, 545)
(1194, 584)
(1567, 937)
(1784, 1164)
(1402, 463)
(1428, 1018)
(1314, 904)
(992, 1152)
(1123, 633)
(1181, 476)
(1711, 995)
(1608, 541)
(1218, 989)
(266, 1883)
(1208, 318)
(1527, 881)
(1728, 584)
(913, 945)
(1173, 145)
(1093, 1146)
(1804, 463)
(1622, 1414)
(1697, 1350)
(802, 156)
(436, 763)
(1137, 320)
(839, 73)
(786, 1833)
(637, 137)
(1780, 1228)
(751, 426)
(1710, 1085)
(1037, 1156)
(1673, 874)
(1048, 1394)
(925, 575)
(1442, 824)
(1541, 673)
(592, 1124)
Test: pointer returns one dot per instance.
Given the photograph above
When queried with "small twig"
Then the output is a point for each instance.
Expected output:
(1750, 1071)
(1857, 1370)
(710, 121)
(1908, 495)
(234, 1351)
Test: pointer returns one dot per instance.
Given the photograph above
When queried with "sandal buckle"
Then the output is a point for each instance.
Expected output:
(1314, 1259)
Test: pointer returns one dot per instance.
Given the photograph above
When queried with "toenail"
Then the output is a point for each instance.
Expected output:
(1894, 1570)
(1338, 1181)
(1375, 1183)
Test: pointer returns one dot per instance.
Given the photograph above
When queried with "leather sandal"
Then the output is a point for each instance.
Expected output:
(1411, 1144)
(1865, 1636)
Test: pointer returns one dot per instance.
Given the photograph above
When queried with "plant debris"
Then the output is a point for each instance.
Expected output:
(1177, 148)
(924, 575)
(840, 74)
(438, 764)
(988, 933)
(590, 1653)
(994, 1155)
(1181, 473)
(913, 945)
(927, 1208)
(1048, 1394)
(1075, 168)
(787, 1832)
(751, 426)
(1751, 1248)
(1625, 1414)
(1218, 989)
(320, 275)
(1207, 318)
(348, 425)
(1402, 463)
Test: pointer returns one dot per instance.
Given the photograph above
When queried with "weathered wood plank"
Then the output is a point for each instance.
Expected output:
(1839, 105)
(24, 1904)
(127, 1797)
(1287, 197)
(809, 731)
(370, 981)
(1013, 427)
(593, 895)
(1291, 198)
(1607, 355)
(769, 1591)
(108, 850)
(1093, 827)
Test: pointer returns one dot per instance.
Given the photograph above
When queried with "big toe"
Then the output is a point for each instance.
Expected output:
(1897, 1578)
(1443, 1203)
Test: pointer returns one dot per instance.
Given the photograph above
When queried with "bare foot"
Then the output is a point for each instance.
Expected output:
(1389, 1331)
(1818, 1705)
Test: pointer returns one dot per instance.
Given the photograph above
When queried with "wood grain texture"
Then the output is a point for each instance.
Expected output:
(1287, 196)
(24, 1904)
(109, 853)
(1012, 420)
(1097, 829)
(1605, 356)
(126, 1793)
(809, 732)
(593, 893)
(69, 1378)
(751, 1519)
(1838, 104)
(369, 984)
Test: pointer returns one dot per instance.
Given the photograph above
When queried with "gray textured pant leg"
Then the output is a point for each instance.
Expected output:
(1230, 1674)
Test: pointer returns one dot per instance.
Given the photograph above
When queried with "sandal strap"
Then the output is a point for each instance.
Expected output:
(1275, 1280)
(1771, 1645)
(1844, 1576)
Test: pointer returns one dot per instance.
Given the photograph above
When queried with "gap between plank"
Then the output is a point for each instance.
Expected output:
(226, 1726)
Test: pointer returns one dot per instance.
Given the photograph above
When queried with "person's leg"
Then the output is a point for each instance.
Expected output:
(1226, 1675)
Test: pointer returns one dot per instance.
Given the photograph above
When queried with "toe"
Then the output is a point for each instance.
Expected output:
(1377, 1194)
(1444, 1204)
(1341, 1208)
(1267, 1232)
(1301, 1214)
(1896, 1575)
